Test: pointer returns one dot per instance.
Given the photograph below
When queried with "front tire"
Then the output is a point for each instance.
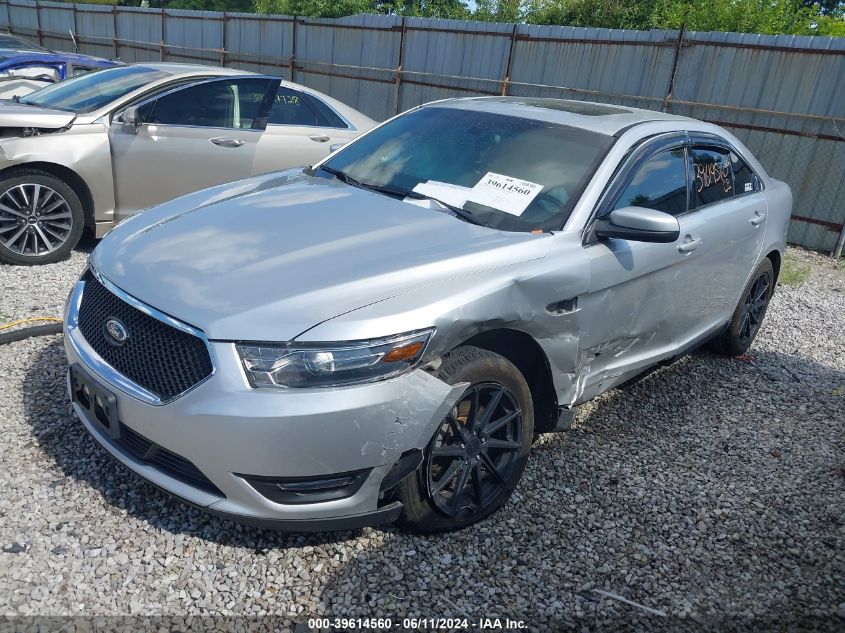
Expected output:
(748, 316)
(478, 453)
(41, 218)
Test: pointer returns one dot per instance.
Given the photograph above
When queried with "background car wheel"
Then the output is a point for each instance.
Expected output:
(748, 316)
(478, 453)
(41, 218)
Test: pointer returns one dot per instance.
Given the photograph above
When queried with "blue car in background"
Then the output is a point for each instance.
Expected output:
(26, 67)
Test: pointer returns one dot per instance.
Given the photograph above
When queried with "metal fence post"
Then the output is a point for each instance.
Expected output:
(38, 23)
(161, 52)
(840, 244)
(507, 75)
(114, 31)
(671, 87)
(223, 40)
(293, 52)
(398, 103)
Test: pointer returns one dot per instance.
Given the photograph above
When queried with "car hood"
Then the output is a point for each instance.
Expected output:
(21, 115)
(273, 256)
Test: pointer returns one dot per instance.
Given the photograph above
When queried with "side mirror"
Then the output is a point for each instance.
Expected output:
(130, 119)
(639, 224)
(335, 146)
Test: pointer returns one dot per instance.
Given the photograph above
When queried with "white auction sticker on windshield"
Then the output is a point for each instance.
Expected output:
(504, 193)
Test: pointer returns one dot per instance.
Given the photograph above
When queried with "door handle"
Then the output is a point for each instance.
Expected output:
(757, 219)
(689, 246)
(226, 142)
(320, 138)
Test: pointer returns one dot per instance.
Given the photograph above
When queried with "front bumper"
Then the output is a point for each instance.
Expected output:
(226, 429)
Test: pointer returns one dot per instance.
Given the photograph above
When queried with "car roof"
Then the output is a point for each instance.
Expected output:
(177, 68)
(603, 118)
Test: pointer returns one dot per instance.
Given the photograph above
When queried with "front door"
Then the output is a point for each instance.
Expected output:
(639, 306)
(188, 139)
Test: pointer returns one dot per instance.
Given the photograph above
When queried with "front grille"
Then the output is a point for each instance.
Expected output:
(160, 358)
(167, 461)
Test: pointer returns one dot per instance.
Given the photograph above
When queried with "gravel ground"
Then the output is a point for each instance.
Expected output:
(713, 491)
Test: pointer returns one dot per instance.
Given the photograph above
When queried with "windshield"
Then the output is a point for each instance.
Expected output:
(10, 41)
(505, 172)
(86, 93)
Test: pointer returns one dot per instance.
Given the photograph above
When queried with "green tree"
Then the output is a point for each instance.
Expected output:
(498, 10)
(613, 14)
(793, 17)
(314, 8)
(241, 6)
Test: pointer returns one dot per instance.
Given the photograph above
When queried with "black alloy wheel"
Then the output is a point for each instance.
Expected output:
(477, 453)
(475, 450)
(748, 316)
(754, 307)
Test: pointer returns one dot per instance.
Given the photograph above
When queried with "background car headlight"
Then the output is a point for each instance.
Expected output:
(331, 364)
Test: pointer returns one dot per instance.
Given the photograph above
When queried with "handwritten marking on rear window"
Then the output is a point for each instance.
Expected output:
(709, 173)
(287, 99)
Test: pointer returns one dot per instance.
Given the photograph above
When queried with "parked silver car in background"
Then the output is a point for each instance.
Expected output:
(98, 148)
(381, 336)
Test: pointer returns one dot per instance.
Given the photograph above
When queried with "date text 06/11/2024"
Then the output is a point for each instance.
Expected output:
(417, 624)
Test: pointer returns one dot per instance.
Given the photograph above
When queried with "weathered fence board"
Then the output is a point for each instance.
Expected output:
(782, 95)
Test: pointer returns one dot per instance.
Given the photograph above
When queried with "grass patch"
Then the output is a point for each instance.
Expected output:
(793, 272)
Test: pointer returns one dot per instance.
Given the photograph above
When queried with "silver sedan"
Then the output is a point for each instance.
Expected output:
(98, 148)
(382, 335)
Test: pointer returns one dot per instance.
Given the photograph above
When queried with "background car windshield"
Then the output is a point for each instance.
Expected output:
(452, 146)
(93, 91)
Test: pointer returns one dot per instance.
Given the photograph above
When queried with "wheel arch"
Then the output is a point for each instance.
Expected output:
(66, 175)
(530, 359)
(776, 259)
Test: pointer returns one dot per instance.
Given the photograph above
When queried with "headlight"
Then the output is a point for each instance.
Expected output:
(331, 364)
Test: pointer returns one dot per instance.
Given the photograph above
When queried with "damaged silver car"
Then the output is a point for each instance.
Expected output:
(97, 148)
(381, 336)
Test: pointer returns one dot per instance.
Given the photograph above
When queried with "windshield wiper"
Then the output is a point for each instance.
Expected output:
(401, 193)
(458, 211)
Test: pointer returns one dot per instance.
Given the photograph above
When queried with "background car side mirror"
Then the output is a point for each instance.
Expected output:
(639, 225)
(130, 119)
(335, 146)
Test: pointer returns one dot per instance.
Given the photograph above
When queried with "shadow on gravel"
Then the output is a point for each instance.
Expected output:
(87, 242)
(711, 491)
(663, 493)
(62, 436)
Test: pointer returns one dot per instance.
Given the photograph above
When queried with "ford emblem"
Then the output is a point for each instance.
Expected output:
(116, 331)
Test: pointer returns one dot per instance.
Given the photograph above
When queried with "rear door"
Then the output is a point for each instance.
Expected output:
(730, 212)
(301, 129)
(193, 137)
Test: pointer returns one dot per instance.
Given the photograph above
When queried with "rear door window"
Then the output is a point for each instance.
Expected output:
(711, 175)
(292, 107)
(660, 184)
